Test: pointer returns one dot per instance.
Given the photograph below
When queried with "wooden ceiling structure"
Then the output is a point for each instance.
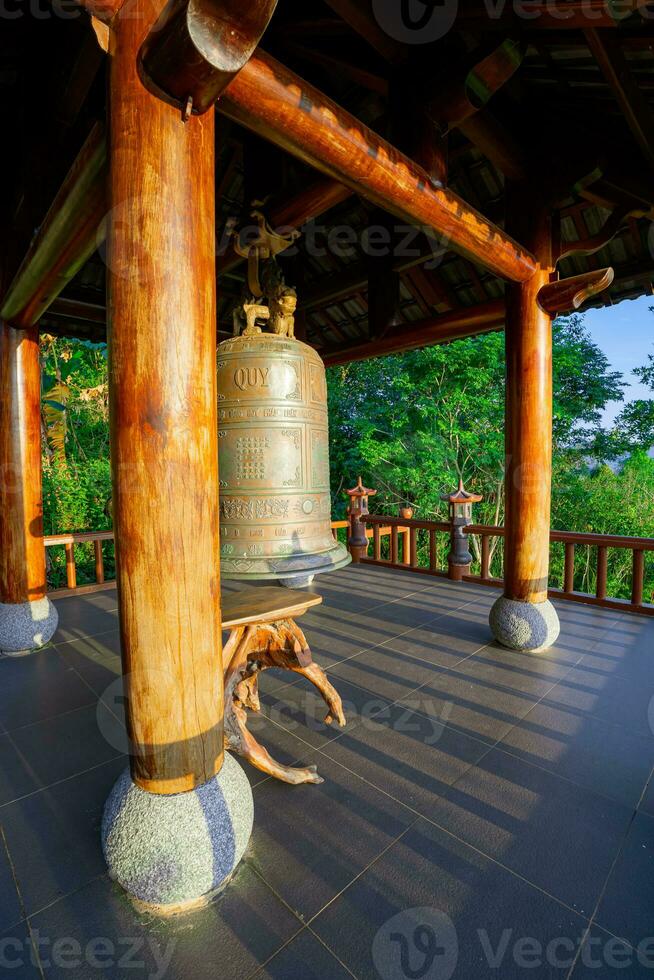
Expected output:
(563, 97)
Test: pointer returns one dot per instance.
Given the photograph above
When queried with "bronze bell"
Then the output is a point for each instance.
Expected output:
(273, 441)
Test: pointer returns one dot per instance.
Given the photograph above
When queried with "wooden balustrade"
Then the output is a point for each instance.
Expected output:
(69, 541)
(571, 541)
(404, 553)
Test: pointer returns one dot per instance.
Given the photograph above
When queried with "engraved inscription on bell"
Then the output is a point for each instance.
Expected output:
(275, 506)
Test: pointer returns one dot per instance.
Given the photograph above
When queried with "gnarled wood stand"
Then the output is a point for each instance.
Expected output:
(264, 634)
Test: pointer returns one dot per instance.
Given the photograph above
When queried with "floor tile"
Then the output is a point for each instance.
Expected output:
(39, 686)
(11, 910)
(68, 744)
(368, 628)
(299, 709)
(54, 835)
(605, 758)
(280, 743)
(647, 803)
(17, 777)
(623, 701)
(384, 671)
(96, 658)
(559, 836)
(228, 938)
(625, 653)
(605, 957)
(432, 893)
(482, 707)
(305, 958)
(627, 908)
(310, 841)
(81, 616)
(330, 647)
(412, 757)
(437, 643)
(18, 958)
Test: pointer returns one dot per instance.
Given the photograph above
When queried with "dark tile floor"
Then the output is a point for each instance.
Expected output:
(484, 813)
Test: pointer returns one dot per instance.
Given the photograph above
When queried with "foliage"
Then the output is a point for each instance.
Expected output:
(411, 425)
(76, 473)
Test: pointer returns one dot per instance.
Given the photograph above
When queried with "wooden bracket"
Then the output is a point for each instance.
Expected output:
(588, 246)
(196, 47)
(566, 295)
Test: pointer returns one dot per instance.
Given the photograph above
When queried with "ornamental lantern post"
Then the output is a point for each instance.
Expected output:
(358, 509)
(460, 512)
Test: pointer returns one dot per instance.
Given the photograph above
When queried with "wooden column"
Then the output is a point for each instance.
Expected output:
(22, 553)
(162, 373)
(528, 406)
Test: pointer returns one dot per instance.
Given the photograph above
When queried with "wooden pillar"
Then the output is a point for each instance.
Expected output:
(528, 408)
(27, 617)
(22, 553)
(528, 429)
(162, 374)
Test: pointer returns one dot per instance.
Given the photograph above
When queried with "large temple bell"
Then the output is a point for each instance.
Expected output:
(273, 441)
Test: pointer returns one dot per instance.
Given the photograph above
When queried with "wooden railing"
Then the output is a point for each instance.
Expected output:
(69, 541)
(403, 553)
(486, 533)
(400, 532)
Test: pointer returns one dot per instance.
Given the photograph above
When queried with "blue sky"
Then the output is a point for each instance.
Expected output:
(626, 335)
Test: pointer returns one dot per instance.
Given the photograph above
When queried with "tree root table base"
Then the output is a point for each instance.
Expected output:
(264, 634)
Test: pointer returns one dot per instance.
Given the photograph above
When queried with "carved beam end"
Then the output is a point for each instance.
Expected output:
(567, 295)
(197, 47)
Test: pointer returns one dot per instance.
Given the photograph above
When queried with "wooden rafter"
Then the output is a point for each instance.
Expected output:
(631, 99)
(272, 101)
(359, 15)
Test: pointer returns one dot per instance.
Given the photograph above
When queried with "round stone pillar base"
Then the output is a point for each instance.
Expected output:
(26, 626)
(525, 626)
(170, 851)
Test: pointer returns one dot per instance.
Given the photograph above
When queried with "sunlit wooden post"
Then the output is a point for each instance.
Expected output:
(176, 826)
(523, 618)
(27, 617)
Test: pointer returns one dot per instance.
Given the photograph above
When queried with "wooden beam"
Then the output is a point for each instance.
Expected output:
(164, 426)
(274, 102)
(65, 240)
(425, 333)
(74, 309)
(632, 101)
(462, 97)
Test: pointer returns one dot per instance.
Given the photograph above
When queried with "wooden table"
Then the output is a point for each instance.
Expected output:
(264, 634)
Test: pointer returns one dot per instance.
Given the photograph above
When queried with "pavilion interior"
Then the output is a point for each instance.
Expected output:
(511, 793)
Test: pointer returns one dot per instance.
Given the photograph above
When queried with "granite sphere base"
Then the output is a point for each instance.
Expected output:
(26, 626)
(525, 626)
(170, 851)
